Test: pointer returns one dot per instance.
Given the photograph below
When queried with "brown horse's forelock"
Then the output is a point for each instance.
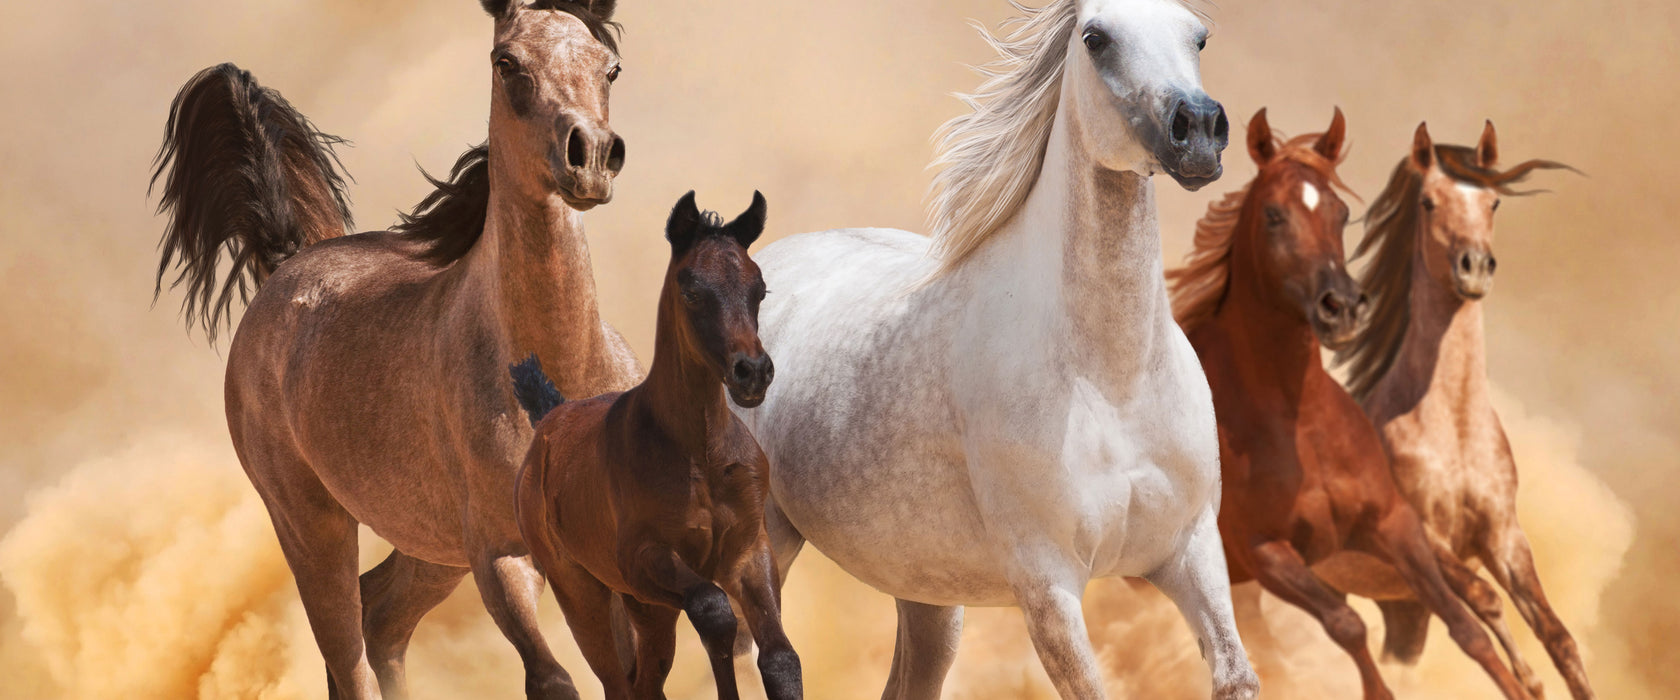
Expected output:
(1391, 233)
(604, 30)
(1198, 287)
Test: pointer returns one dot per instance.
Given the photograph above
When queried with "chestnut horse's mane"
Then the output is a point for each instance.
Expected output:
(1198, 287)
(1391, 233)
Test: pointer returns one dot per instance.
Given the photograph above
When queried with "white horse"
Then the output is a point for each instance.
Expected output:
(998, 415)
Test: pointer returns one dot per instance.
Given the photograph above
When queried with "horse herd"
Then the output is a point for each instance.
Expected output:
(993, 415)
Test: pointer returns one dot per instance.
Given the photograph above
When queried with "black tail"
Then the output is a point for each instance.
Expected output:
(244, 171)
(536, 394)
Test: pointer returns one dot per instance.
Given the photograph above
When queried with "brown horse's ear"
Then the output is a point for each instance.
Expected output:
(684, 223)
(746, 228)
(1260, 145)
(1330, 144)
(602, 8)
(1423, 149)
(498, 8)
(1487, 150)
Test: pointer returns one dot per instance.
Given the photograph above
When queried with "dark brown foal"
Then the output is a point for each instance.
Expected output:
(1305, 476)
(657, 493)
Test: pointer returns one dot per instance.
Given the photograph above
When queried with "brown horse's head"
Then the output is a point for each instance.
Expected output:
(554, 62)
(1294, 221)
(714, 289)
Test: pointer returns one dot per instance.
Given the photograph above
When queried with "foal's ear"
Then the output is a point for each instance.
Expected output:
(1330, 144)
(1487, 150)
(1260, 146)
(1423, 148)
(684, 223)
(746, 228)
(498, 8)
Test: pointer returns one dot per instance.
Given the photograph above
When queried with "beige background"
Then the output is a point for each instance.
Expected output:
(136, 561)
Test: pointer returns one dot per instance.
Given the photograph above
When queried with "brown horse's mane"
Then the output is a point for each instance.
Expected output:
(450, 220)
(1391, 233)
(1198, 287)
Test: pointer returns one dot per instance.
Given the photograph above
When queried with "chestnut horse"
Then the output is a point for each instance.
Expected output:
(1304, 476)
(367, 380)
(657, 493)
(1420, 371)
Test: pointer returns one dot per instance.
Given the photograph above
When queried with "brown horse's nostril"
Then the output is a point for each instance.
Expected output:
(1464, 263)
(615, 155)
(1491, 263)
(576, 153)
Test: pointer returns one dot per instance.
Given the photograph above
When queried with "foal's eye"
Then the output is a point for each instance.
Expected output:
(691, 298)
(1095, 40)
(1428, 204)
(612, 74)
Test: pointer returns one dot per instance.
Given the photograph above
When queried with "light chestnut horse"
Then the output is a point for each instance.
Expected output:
(1420, 371)
(367, 380)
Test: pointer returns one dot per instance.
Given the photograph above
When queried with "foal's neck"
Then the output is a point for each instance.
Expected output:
(681, 394)
(1443, 356)
(531, 268)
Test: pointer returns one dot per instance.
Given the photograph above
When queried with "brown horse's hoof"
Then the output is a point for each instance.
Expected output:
(550, 688)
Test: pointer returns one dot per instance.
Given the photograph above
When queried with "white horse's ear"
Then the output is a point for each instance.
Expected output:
(1487, 150)
(1260, 146)
(746, 228)
(1330, 144)
(684, 222)
(1423, 148)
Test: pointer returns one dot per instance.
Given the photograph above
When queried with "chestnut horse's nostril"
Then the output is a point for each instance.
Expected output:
(1181, 124)
(615, 155)
(1329, 304)
(576, 152)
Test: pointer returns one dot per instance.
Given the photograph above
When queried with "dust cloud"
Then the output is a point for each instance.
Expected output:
(136, 561)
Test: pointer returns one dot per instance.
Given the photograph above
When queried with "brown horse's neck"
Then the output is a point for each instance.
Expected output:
(1443, 353)
(682, 394)
(532, 270)
(1274, 345)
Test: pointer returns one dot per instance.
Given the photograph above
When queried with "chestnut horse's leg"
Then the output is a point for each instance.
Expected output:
(395, 595)
(759, 594)
(656, 646)
(926, 648)
(1198, 583)
(1486, 604)
(1399, 539)
(658, 576)
(510, 586)
(1280, 569)
(1511, 562)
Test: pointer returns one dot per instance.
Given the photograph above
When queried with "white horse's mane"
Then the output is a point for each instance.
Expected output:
(990, 157)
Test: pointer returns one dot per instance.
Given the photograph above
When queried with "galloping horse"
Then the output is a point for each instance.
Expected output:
(1000, 414)
(657, 493)
(1304, 473)
(1420, 371)
(367, 381)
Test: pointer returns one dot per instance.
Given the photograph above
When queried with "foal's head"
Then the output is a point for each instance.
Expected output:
(554, 62)
(1294, 221)
(1455, 190)
(714, 290)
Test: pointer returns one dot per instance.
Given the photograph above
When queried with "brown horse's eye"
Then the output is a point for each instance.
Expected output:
(612, 74)
(506, 66)
(1428, 204)
(1496, 205)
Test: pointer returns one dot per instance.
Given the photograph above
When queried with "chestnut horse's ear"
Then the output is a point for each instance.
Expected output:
(1260, 145)
(1423, 149)
(1330, 144)
(497, 8)
(1487, 150)
(746, 228)
(684, 223)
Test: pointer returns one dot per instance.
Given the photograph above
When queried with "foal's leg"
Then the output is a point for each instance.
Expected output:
(656, 646)
(1197, 582)
(759, 593)
(1400, 539)
(1050, 600)
(1280, 569)
(509, 584)
(785, 543)
(1512, 565)
(395, 595)
(586, 602)
(1485, 602)
(926, 648)
(658, 576)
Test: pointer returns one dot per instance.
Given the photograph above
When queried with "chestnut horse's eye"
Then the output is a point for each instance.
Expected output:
(1274, 217)
(612, 74)
(1095, 40)
(1428, 204)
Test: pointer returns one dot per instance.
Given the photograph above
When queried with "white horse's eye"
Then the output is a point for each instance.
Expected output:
(1201, 43)
(1095, 40)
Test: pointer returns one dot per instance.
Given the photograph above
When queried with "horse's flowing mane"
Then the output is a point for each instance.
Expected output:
(1391, 233)
(451, 218)
(1198, 287)
(990, 157)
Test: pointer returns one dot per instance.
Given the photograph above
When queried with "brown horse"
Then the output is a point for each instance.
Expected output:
(657, 493)
(1304, 475)
(367, 380)
(1420, 371)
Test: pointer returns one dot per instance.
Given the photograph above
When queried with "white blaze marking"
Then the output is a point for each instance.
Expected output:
(1309, 195)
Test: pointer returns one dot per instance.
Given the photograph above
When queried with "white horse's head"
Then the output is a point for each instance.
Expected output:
(1134, 71)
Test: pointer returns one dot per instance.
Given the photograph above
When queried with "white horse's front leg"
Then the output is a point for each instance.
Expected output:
(1197, 582)
(1056, 623)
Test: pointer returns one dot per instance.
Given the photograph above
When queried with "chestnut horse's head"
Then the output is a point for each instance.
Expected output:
(1295, 220)
(554, 62)
(714, 288)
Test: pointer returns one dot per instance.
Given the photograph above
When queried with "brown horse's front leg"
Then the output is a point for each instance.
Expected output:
(1400, 540)
(1511, 562)
(759, 593)
(658, 576)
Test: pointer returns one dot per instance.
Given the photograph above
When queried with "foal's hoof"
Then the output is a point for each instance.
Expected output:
(550, 689)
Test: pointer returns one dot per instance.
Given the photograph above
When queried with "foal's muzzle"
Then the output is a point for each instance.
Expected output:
(748, 377)
(1194, 131)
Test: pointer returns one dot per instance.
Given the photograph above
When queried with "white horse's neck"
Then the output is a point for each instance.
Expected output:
(530, 271)
(1080, 262)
